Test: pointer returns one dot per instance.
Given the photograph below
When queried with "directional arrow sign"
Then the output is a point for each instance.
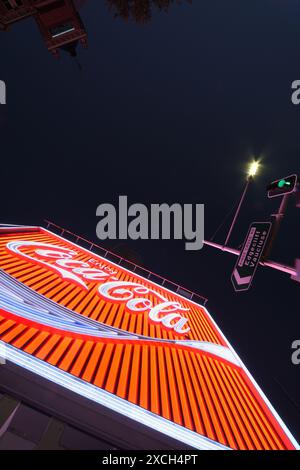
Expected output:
(250, 255)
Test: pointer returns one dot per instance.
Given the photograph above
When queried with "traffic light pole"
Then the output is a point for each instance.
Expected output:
(241, 279)
(268, 263)
(276, 225)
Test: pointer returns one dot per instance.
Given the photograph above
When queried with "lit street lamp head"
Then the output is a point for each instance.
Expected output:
(253, 168)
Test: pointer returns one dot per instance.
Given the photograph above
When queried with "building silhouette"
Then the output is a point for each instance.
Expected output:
(60, 23)
(58, 20)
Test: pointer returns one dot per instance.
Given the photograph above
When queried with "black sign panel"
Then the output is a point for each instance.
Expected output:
(250, 255)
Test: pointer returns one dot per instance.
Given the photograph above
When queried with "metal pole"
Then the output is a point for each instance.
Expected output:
(249, 179)
(276, 225)
(270, 264)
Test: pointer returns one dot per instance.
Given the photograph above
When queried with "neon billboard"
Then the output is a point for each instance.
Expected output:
(121, 340)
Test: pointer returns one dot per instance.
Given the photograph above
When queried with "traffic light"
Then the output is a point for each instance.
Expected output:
(283, 186)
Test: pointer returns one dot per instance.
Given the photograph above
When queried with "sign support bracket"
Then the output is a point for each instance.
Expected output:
(268, 263)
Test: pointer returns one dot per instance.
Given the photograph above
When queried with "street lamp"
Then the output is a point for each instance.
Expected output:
(253, 168)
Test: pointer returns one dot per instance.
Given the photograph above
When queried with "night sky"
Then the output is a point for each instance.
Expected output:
(169, 110)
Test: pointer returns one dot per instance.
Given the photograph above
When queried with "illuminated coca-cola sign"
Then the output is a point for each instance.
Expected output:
(129, 344)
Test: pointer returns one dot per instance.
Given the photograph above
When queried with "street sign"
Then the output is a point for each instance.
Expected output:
(283, 186)
(250, 255)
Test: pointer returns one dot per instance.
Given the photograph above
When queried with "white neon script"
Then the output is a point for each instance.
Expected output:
(69, 268)
(165, 312)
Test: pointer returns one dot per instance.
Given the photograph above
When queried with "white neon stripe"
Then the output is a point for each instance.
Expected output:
(33, 298)
(212, 348)
(2, 353)
(110, 401)
(43, 317)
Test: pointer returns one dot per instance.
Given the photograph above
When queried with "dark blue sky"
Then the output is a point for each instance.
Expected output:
(169, 111)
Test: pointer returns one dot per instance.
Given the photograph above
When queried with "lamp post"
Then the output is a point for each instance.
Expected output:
(252, 171)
